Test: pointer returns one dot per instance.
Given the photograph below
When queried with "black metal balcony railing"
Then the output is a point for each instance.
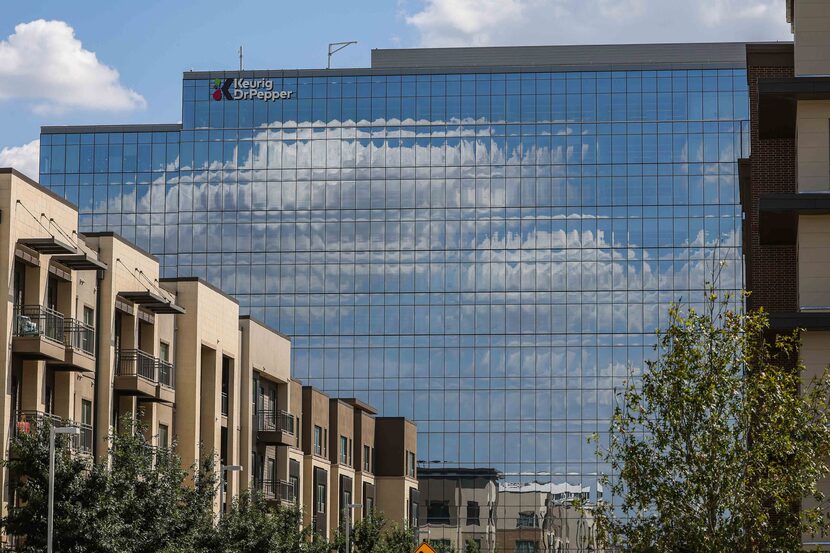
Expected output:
(134, 362)
(79, 335)
(166, 374)
(225, 403)
(36, 320)
(273, 420)
(27, 421)
(278, 490)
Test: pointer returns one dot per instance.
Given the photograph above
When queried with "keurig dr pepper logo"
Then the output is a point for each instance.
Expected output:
(248, 89)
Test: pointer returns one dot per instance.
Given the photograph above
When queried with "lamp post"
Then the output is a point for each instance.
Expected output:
(349, 508)
(50, 520)
(222, 470)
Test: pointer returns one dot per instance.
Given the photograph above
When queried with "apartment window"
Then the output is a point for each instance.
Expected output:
(527, 519)
(295, 486)
(87, 338)
(410, 464)
(86, 421)
(325, 442)
(321, 498)
(272, 473)
(164, 436)
(438, 512)
(526, 546)
(344, 454)
(318, 440)
(367, 458)
(164, 351)
(294, 478)
(473, 513)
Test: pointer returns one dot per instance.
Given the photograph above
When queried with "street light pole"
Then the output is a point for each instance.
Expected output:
(50, 517)
(349, 508)
(222, 470)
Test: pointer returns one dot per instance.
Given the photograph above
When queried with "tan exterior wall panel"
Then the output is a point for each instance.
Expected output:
(813, 261)
(813, 144)
(812, 45)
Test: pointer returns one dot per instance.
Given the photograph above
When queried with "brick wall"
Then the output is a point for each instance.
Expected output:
(771, 271)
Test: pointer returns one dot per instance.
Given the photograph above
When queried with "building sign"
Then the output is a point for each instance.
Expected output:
(248, 89)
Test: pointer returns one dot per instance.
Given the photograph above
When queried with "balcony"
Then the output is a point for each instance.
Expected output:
(276, 490)
(275, 427)
(27, 421)
(225, 404)
(38, 333)
(140, 374)
(79, 341)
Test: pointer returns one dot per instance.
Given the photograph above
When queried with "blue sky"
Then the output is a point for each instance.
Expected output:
(63, 70)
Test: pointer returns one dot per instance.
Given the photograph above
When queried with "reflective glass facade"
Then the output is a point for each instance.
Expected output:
(484, 253)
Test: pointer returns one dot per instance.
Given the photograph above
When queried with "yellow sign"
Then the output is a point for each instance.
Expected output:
(425, 548)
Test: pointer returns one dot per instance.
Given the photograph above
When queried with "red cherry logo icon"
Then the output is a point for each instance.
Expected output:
(217, 95)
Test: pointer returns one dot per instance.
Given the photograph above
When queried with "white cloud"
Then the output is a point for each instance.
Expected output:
(514, 22)
(23, 158)
(43, 61)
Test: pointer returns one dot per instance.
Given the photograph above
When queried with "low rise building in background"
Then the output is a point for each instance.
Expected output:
(91, 334)
(478, 505)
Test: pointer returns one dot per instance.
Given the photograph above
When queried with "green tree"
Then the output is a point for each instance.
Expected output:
(471, 546)
(367, 534)
(136, 503)
(718, 441)
(147, 491)
(398, 539)
(76, 493)
(251, 526)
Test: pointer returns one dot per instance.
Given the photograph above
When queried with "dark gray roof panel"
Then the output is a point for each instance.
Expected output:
(717, 54)
(75, 129)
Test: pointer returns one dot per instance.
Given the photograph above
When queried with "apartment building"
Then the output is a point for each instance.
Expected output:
(93, 334)
(785, 186)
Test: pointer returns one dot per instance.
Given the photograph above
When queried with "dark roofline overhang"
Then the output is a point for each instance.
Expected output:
(203, 282)
(80, 129)
(264, 325)
(778, 101)
(461, 472)
(778, 215)
(808, 320)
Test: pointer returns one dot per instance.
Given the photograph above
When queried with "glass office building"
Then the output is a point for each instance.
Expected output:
(482, 240)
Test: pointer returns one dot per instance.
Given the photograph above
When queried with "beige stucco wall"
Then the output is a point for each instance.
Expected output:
(205, 333)
(812, 39)
(813, 261)
(129, 269)
(393, 495)
(813, 143)
(24, 220)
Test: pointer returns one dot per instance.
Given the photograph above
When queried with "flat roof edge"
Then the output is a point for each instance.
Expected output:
(78, 129)
(264, 325)
(40, 188)
(116, 236)
(203, 282)
(563, 55)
